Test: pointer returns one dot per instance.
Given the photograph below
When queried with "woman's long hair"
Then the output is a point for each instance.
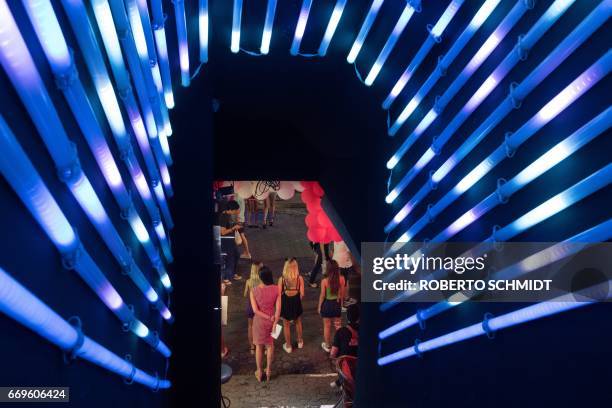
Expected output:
(254, 277)
(333, 276)
(291, 272)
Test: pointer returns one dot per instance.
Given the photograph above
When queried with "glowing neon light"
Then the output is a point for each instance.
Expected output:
(203, 24)
(24, 307)
(266, 37)
(237, 17)
(301, 27)
(364, 30)
(332, 26)
(401, 24)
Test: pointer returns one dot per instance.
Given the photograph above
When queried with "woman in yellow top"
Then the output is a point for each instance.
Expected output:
(330, 301)
(291, 291)
(253, 282)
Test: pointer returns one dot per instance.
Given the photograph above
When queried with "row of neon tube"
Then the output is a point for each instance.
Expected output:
(570, 43)
(506, 189)
(21, 175)
(23, 306)
(549, 111)
(23, 74)
(512, 59)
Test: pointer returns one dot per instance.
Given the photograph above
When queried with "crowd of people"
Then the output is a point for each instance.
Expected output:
(275, 305)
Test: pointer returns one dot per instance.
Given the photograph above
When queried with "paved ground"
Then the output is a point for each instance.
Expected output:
(300, 379)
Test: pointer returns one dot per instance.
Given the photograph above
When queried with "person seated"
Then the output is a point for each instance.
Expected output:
(346, 340)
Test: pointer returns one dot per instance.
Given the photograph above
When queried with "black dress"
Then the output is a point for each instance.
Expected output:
(291, 306)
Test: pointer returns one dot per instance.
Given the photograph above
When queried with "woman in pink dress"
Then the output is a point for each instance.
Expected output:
(266, 305)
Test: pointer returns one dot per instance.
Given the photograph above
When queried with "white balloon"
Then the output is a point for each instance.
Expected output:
(286, 190)
(244, 189)
(298, 186)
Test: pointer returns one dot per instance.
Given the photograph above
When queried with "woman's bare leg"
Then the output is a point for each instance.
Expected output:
(245, 244)
(259, 358)
(250, 331)
(298, 329)
(287, 330)
(270, 359)
(266, 203)
(327, 331)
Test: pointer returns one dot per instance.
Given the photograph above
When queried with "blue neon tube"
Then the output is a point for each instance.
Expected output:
(266, 36)
(23, 306)
(466, 35)
(332, 26)
(236, 19)
(300, 28)
(27, 183)
(435, 36)
(203, 24)
(364, 30)
(104, 18)
(183, 45)
(514, 57)
(162, 50)
(400, 25)
(600, 233)
(539, 310)
(569, 44)
(494, 39)
(566, 97)
(94, 61)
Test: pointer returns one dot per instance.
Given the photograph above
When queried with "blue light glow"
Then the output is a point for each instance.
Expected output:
(363, 32)
(236, 19)
(183, 45)
(446, 18)
(301, 27)
(332, 26)
(481, 15)
(27, 183)
(165, 280)
(401, 24)
(266, 37)
(203, 25)
(49, 32)
(24, 307)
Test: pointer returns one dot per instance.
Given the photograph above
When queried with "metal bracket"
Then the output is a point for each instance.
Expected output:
(429, 214)
(438, 38)
(72, 353)
(501, 196)
(516, 101)
(510, 148)
(420, 319)
(442, 69)
(416, 348)
(521, 50)
(130, 378)
(485, 325)
(432, 184)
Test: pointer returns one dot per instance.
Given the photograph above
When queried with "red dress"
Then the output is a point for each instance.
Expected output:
(265, 297)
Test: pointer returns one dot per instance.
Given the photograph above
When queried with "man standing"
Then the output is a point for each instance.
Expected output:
(228, 241)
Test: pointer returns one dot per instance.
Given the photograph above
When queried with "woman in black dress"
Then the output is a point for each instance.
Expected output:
(291, 290)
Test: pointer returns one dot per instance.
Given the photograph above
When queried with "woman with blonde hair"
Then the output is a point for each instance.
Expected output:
(331, 301)
(291, 291)
(249, 285)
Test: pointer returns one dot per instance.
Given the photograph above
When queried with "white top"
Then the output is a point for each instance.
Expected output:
(342, 255)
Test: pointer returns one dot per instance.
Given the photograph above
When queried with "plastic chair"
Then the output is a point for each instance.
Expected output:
(226, 375)
(346, 367)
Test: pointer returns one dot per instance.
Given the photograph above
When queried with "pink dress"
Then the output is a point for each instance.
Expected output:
(265, 297)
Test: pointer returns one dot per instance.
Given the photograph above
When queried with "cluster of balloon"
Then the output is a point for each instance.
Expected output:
(320, 227)
(247, 189)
